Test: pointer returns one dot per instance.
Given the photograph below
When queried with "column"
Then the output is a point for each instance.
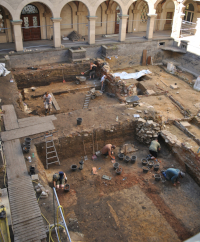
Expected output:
(91, 29)
(17, 34)
(150, 25)
(197, 34)
(122, 27)
(177, 21)
(56, 32)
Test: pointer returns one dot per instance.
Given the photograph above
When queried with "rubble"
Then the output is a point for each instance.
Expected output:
(147, 130)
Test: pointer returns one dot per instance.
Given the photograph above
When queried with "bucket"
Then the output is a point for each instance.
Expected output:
(32, 170)
(121, 156)
(25, 149)
(145, 169)
(156, 167)
(126, 159)
(116, 165)
(150, 164)
(27, 141)
(79, 121)
(133, 159)
(118, 170)
(73, 167)
(157, 177)
(144, 162)
(66, 187)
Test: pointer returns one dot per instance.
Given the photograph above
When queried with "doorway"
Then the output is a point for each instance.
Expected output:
(30, 23)
(168, 23)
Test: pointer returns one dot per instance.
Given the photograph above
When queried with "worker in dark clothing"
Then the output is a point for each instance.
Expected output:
(59, 179)
(154, 148)
(93, 68)
(173, 175)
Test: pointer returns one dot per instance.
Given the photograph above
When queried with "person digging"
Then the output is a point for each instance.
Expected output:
(47, 103)
(93, 68)
(173, 175)
(59, 179)
(107, 150)
(154, 148)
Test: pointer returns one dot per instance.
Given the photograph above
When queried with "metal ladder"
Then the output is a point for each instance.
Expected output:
(87, 100)
(50, 149)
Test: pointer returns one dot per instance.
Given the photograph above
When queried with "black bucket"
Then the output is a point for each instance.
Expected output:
(79, 121)
(118, 170)
(156, 167)
(144, 162)
(26, 150)
(32, 170)
(150, 164)
(121, 156)
(73, 167)
(116, 165)
(126, 159)
(145, 169)
(66, 187)
(27, 141)
(157, 177)
(133, 159)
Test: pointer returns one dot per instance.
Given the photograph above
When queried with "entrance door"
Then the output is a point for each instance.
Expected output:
(29, 26)
(30, 23)
(169, 16)
(117, 20)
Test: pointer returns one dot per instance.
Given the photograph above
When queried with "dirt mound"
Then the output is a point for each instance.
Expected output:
(74, 36)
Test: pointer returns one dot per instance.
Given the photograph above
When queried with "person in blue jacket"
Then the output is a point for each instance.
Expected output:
(173, 175)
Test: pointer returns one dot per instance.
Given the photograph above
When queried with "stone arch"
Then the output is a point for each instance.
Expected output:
(195, 9)
(26, 2)
(64, 2)
(8, 8)
(101, 28)
(119, 2)
(158, 1)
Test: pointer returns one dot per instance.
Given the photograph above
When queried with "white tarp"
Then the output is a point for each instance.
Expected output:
(136, 75)
(3, 70)
(197, 84)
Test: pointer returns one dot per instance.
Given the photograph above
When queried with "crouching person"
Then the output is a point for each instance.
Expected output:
(59, 179)
(173, 175)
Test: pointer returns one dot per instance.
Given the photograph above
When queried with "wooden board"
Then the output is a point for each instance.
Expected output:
(10, 117)
(144, 58)
(149, 60)
(54, 102)
(27, 131)
(25, 122)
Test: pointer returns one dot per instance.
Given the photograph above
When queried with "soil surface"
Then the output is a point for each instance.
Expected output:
(131, 206)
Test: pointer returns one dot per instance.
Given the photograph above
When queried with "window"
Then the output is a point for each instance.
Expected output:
(189, 13)
(144, 12)
(2, 26)
(29, 9)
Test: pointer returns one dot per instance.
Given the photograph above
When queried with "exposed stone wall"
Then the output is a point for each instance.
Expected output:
(147, 130)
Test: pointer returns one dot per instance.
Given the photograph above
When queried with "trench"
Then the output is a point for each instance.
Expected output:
(93, 190)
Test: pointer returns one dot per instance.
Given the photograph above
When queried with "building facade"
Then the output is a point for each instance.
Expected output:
(54, 19)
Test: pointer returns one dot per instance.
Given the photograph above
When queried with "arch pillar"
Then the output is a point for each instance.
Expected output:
(197, 34)
(177, 21)
(91, 29)
(150, 25)
(17, 34)
(56, 32)
(122, 27)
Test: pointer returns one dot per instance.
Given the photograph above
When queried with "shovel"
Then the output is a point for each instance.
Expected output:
(94, 156)
(85, 157)
(82, 73)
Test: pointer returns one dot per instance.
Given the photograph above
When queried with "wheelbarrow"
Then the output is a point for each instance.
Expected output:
(81, 79)
(95, 93)
(133, 100)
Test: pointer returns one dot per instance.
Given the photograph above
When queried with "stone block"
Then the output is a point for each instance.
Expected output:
(150, 92)
(108, 51)
(174, 86)
(77, 53)
(35, 177)
(141, 120)
(185, 124)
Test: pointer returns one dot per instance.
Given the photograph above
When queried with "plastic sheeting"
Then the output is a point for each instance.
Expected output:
(3, 70)
(197, 84)
(136, 75)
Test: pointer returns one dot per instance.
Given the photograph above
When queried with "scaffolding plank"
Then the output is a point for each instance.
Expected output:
(54, 102)
(25, 122)
(144, 58)
(27, 131)
(10, 117)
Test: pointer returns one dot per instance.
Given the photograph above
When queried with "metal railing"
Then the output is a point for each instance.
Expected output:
(62, 216)
(187, 28)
